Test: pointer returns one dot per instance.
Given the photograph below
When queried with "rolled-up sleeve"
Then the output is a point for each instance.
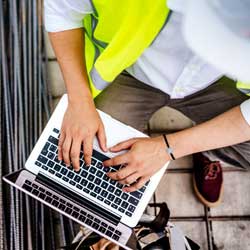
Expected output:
(60, 15)
(245, 110)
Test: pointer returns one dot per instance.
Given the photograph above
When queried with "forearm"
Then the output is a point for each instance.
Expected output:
(69, 49)
(224, 130)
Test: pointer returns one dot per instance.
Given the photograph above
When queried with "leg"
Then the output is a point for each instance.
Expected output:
(130, 101)
(208, 103)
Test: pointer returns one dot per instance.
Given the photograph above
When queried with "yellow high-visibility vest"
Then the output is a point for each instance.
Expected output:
(116, 35)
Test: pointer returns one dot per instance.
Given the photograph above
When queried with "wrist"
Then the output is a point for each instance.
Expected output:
(162, 147)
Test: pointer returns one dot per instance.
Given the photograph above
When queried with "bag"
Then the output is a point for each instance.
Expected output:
(152, 233)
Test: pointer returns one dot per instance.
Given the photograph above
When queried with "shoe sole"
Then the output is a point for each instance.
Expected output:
(203, 200)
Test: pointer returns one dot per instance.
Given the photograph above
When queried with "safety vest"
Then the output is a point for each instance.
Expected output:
(116, 35)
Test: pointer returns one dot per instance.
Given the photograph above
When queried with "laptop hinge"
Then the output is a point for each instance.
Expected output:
(78, 199)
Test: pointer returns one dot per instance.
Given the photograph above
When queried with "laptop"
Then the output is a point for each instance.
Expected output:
(88, 196)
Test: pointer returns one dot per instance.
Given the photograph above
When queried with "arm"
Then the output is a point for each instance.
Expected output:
(76, 129)
(146, 156)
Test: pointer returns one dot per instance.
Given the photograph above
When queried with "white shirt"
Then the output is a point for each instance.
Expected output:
(168, 64)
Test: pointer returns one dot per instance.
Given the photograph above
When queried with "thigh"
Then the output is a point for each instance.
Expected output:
(130, 101)
(210, 102)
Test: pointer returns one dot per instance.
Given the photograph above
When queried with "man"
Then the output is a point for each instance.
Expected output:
(144, 38)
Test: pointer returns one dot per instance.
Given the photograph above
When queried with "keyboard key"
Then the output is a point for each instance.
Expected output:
(90, 216)
(95, 225)
(97, 190)
(28, 182)
(86, 190)
(72, 183)
(41, 189)
(93, 194)
(75, 214)
(124, 204)
(133, 201)
(93, 161)
(84, 182)
(88, 222)
(38, 163)
(57, 167)
(79, 186)
(125, 196)
(111, 228)
(64, 171)
(114, 206)
(97, 220)
(100, 198)
(102, 229)
(56, 130)
(142, 189)
(99, 164)
(68, 210)
(48, 199)
(92, 170)
(42, 196)
(106, 169)
(46, 147)
(35, 192)
(83, 212)
(104, 184)
(128, 214)
(84, 173)
(90, 186)
(99, 174)
(109, 233)
(42, 159)
(121, 209)
(65, 179)
(97, 181)
(52, 171)
(91, 177)
(112, 182)
(118, 232)
(107, 202)
(111, 197)
(55, 203)
(45, 167)
(51, 155)
(105, 178)
(62, 207)
(26, 187)
(62, 201)
(118, 201)
(53, 140)
(58, 175)
(70, 175)
(131, 208)
(136, 194)
(48, 193)
(118, 192)
(50, 164)
(111, 189)
(104, 193)
(81, 218)
(69, 205)
(115, 237)
(77, 178)
(119, 185)
(53, 148)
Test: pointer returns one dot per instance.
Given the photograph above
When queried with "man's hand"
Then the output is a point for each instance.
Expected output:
(144, 158)
(81, 123)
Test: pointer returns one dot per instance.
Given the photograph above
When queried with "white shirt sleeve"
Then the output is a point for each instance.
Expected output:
(62, 15)
(245, 110)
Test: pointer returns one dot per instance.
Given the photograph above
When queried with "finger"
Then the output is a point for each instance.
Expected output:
(118, 160)
(66, 149)
(101, 135)
(60, 143)
(88, 149)
(130, 179)
(123, 145)
(137, 185)
(75, 153)
(122, 173)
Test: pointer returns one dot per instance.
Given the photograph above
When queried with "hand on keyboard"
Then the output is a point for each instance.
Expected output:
(80, 124)
(145, 157)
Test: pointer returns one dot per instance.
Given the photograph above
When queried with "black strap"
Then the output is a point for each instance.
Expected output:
(169, 149)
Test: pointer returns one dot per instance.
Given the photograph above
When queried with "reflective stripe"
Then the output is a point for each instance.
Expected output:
(244, 87)
(100, 83)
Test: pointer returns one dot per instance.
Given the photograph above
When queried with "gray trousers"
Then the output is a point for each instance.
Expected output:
(134, 102)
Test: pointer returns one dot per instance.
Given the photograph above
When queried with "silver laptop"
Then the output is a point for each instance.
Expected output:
(88, 196)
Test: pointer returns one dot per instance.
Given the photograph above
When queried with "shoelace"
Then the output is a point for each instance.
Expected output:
(211, 170)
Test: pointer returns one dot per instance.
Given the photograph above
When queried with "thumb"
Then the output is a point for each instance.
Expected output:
(101, 135)
(123, 145)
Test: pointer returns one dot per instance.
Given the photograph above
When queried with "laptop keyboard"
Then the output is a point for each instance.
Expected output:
(71, 209)
(92, 180)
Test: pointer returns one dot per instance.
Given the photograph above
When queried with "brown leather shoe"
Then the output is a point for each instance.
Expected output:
(207, 180)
